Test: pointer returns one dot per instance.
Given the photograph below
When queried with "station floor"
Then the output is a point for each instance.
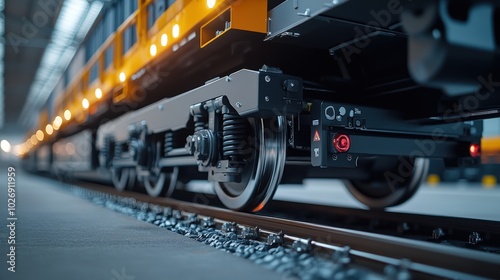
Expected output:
(61, 236)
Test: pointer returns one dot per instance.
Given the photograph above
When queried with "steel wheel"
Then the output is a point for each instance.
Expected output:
(391, 186)
(123, 178)
(263, 170)
(162, 184)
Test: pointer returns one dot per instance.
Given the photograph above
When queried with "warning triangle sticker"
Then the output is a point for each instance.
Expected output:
(316, 136)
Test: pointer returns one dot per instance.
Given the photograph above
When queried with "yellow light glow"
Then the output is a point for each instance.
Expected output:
(57, 123)
(176, 31)
(5, 145)
(67, 115)
(122, 77)
(85, 103)
(98, 93)
(152, 50)
(210, 4)
(19, 150)
(33, 140)
(164, 40)
(49, 129)
(39, 135)
(29, 144)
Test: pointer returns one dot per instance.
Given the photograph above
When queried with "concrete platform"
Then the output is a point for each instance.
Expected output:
(60, 236)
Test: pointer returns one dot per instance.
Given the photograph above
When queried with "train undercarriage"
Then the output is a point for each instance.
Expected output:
(252, 130)
(368, 108)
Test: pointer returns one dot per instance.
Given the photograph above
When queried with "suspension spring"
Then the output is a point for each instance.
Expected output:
(199, 123)
(234, 133)
(118, 150)
(168, 144)
(107, 151)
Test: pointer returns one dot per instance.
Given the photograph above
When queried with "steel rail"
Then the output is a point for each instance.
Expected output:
(425, 258)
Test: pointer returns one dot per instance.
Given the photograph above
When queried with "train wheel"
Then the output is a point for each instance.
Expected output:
(263, 170)
(393, 181)
(162, 184)
(124, 178)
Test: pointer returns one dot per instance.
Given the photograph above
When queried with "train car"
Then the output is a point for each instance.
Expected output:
(252, 93)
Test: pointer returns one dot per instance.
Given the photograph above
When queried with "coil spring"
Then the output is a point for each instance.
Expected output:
(107, 150)
(199, 123)
(234, 133)
(168, 144)
(118, 150)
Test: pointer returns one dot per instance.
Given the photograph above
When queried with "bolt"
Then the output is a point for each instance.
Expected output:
(349, 157)
(342, 256)
(229, 227)
(266, 98)
(475, 238)
(238, 104)
(403, 227)
(437, 233)
(334, 157)
(160, 107)
(302, 246)
(267, 79)
(275, 240)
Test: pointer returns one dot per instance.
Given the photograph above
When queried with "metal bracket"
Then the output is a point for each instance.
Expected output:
(306, 13)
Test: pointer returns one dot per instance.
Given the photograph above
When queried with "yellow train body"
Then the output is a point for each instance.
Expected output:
(183, 21)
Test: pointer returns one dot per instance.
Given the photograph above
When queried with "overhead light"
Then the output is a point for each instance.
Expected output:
(5, 145)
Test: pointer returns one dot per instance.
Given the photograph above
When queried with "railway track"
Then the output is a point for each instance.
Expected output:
(321, 242)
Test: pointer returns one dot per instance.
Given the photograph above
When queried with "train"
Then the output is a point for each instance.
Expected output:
(251, 94)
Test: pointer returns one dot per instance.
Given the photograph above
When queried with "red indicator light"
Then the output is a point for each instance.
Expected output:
(475, 150)
(316, 137)
(342, 143)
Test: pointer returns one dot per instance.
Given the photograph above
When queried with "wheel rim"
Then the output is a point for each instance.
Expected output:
(162, 184)
(379, 194)
(123, 178)
(263, 171)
